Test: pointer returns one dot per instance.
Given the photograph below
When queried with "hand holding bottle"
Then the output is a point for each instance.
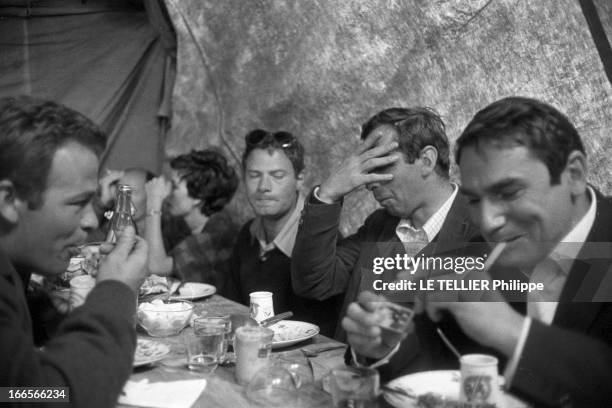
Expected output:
(126, 261)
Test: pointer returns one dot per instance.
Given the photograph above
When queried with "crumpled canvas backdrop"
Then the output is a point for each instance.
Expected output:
(321, 68)
(103, 58)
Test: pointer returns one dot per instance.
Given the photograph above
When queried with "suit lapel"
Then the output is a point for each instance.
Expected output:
(576, 308)
(455, 232)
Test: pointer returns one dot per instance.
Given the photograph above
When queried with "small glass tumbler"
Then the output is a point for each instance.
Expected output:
(223, 320)
(354, 387)
(205, 345)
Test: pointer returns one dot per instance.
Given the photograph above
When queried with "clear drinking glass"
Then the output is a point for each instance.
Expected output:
(204, 347)
(273, 387)
(298, 366)
(225, 321)
(395, 320)
(354, 387)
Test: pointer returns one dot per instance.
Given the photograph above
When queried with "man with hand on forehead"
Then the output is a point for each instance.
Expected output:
(403, 159)
(524, 173)
(49, 158)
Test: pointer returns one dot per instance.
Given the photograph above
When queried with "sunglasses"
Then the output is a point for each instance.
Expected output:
(261, 137)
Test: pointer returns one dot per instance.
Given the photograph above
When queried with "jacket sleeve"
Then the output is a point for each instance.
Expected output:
(91, 352)
(322, 262)
(560, 367)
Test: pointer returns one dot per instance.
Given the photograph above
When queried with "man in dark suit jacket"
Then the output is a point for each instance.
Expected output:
(404, 160)
(523, 169)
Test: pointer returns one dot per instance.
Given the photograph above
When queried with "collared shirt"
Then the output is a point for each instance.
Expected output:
(406, 232)
(416, 239)
(285, 239)
(563, 255)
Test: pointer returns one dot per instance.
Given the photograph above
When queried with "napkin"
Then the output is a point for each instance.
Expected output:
(169, 394)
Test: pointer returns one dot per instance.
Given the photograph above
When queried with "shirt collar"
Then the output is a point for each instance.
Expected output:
(569, 247)
(285, 240)
(434, 224)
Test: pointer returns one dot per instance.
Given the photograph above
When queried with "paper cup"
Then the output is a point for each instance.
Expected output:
(479, 379)
(261, 305)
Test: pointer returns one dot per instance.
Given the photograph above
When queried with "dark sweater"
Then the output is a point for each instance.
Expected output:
(272, 273)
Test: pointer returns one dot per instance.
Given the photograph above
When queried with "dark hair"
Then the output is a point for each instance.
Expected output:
(545, 131)
(283, 141)
(417, 128)
(209, 177)
(31, 131)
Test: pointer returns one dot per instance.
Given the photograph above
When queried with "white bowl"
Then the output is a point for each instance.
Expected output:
(162, 319)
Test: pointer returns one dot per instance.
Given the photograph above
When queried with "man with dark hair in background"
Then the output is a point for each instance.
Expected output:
(49, 158)
(524, 174)
(201, 183)
(403, 160)
(273, 168)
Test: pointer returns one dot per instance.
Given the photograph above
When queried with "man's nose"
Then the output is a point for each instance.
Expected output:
(491, 217)
(89, 220)
(264, 184)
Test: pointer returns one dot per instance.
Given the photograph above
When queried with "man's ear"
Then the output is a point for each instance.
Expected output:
(301, 176)
(576, 172)
(9, 202)
(429, 158)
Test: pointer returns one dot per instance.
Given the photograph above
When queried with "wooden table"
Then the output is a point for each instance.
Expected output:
(222, 390)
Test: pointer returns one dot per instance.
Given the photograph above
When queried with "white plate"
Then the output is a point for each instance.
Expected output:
(149, 351)
(442, 382)
(194, 290)
(289, 332)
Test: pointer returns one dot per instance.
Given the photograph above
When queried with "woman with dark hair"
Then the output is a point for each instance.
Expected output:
(201, 184)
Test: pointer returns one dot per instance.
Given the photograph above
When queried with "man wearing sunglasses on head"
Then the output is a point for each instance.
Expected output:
(273, 168)
(403, 159)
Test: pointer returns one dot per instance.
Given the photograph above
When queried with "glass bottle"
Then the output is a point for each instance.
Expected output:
(122, 215)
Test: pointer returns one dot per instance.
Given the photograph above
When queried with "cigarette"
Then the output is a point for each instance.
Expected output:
(495, 253)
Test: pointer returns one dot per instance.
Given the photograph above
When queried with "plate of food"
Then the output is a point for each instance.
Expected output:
(149, 351)
(193, 290)
(289, 332)
(154, 285)
(435, 389)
